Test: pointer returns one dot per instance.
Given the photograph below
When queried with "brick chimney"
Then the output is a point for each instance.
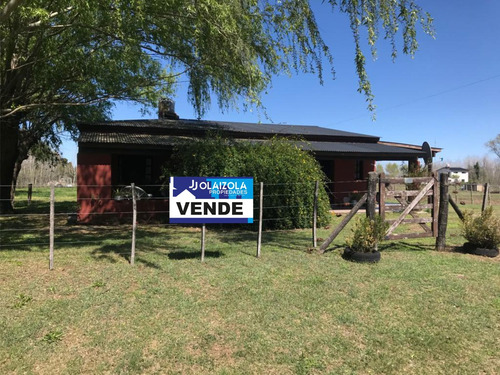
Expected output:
(166, 109)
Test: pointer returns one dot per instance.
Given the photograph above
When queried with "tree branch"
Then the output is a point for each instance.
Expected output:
(9, 8)
(51, 15)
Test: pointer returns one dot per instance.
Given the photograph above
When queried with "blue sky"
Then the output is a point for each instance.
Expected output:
(447, 95)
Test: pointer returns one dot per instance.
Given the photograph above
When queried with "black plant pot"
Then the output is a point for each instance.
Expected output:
(471, 249)
(359, 257)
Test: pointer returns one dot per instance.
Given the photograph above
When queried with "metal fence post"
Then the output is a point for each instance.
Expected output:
(261, 200)
(51, 234)
(315, 213)
(203, 230)
(134, 224)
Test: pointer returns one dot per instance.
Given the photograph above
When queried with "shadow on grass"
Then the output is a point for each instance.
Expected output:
(403, 245)
(147, 263)
(392, 246)
(334, 248)
(105, 252)
(286, 239)
(181, 255)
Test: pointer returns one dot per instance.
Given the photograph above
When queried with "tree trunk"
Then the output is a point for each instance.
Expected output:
(15, 174)
(9, 135)
(22, 154)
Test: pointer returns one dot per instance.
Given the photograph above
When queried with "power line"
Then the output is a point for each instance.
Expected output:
(423, 98)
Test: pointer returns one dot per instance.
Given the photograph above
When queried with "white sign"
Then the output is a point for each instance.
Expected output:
(211, 200)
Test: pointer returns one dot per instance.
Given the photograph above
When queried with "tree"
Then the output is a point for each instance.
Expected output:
(494, 145)
(65, 61)
(392, 169)
(477, 172)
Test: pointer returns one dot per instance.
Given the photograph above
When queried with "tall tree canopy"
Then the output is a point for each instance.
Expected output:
(494, 145)
(65, 61)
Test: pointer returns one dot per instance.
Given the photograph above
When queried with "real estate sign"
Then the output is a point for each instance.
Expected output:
(211, 200)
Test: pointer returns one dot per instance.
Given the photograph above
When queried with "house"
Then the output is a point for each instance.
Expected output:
(114, 154)
(455, 174)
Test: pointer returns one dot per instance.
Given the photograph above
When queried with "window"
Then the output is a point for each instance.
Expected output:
(133, 168)
(359, 172)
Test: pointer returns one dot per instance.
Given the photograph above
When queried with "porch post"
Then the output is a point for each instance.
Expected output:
(412, 166)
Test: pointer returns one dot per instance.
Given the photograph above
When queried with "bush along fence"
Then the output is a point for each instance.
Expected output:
(47, 218)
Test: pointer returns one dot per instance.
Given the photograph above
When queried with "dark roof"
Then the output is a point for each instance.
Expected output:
(372, 150)
(164, 133)
(236, 129)
(128, 138)
(346, 149)
(452, 169)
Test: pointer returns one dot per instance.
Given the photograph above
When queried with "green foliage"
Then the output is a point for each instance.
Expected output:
(482, 231)
(392, 169)
(289, 175)
(22, 300)
(367, 233)
(415, 170)
(52, 337)
(66, 61)
(477, 172)
(98, 284)
(230, 48)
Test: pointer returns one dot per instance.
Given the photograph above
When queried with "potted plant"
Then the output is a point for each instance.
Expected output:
(482, 233)
(362, 245)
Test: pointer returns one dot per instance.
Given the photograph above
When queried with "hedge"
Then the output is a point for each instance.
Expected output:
(289, 175)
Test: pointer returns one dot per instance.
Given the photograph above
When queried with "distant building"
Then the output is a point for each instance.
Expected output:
(455, 174)
(474, 187)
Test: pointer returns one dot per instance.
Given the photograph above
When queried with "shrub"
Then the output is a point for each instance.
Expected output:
(366, 234)
(288, 173)
(482, 231)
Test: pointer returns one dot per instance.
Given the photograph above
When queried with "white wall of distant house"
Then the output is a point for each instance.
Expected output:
(459, 177)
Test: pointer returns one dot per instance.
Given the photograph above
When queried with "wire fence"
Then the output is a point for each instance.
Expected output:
(69, 218)
(48, 218)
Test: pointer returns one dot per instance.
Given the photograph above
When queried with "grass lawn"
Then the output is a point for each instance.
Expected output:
(418, 311)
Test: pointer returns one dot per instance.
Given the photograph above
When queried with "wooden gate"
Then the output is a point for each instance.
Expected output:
(406, 197)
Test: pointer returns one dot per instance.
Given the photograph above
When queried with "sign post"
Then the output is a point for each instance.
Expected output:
(207, 200)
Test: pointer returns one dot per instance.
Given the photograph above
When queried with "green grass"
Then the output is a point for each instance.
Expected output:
(418, 311)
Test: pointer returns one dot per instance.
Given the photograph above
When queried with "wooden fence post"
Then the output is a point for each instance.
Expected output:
(134, 224)
(371, 200)
(203, 230)
(435, 206)
(456, 208)
(51, 235)
(443, 212)
(315, 213)
(30, 193)
(485, 196)
(261, 201)
(381, 190)
(342, 224)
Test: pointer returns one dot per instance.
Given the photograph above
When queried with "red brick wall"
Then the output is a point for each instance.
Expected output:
(345, 185)
(94, 191)
(95, 194)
